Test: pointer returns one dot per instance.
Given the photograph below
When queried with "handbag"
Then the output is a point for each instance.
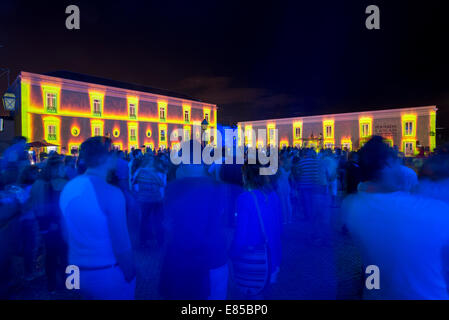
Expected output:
(251, 268)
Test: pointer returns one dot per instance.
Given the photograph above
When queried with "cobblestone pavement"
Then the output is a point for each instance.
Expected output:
(308, 271)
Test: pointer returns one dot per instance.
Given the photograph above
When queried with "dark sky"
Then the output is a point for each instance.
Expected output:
(255, 59)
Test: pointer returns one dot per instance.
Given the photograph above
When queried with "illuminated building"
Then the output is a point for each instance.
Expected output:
(65, 108)
(407, 128)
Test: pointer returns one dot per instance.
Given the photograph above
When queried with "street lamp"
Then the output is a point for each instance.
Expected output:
(204, 125)
(9, 101)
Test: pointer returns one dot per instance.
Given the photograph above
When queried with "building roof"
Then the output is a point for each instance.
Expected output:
(118, 84)
(382, 113)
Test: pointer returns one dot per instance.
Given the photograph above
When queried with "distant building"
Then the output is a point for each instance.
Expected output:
(408, 128)
(65, 108)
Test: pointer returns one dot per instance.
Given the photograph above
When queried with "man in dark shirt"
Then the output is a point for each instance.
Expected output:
(194, 265)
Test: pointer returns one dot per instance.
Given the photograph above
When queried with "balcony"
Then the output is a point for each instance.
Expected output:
(132, 138)
(97, 113)
(51, 109)
(132, 116)
(51, 136)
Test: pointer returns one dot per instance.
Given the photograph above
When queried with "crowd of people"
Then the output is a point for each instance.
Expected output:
(95, 210)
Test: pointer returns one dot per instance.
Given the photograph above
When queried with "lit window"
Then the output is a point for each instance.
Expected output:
(132, 134)
(162, 113)
(162, 135)
(51, 102)
(409, 128)
(186, 115)
(298, 132)
(51, 135)
(132, 110)
(97, 131)
(329, 145)
(409, 148)
(365, 130)
(97, 106)
(206, 116)
(328, 131)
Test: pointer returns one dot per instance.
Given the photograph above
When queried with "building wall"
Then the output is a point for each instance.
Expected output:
(74, 119)
(346, 128)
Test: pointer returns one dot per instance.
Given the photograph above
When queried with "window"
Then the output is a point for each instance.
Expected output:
(97, 131)
(328, 131)
(409, 148)
(162, 135)
(206, 114)
(97, 107)
(409, 128)
(346, 146)
(51, 132)
(51, 102)
(162, 113)
(328, 145)
(365, 127)
(365, 130)
(297, 132)
(132, 110)
(132, 134)
(186, 115)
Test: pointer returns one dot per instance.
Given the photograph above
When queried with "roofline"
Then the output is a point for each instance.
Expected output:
(81, 86)
(385, 113)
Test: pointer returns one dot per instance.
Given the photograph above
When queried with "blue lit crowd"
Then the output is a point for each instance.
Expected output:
(219, 225)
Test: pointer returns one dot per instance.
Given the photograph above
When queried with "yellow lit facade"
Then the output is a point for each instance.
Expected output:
(407, 129)
(66, 112)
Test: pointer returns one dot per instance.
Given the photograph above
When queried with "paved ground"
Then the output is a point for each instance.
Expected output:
(308, 271)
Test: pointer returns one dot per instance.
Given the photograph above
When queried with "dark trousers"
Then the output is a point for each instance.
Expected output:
(151, 223)
(55, 259)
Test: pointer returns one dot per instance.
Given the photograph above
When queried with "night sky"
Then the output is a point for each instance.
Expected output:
(254, 59)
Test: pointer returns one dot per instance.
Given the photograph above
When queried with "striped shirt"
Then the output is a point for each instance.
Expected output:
(309, 171)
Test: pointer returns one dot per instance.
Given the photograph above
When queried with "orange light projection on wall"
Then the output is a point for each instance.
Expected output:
(346, 143)
(75, 130)
(283, 143)
(90, 102)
